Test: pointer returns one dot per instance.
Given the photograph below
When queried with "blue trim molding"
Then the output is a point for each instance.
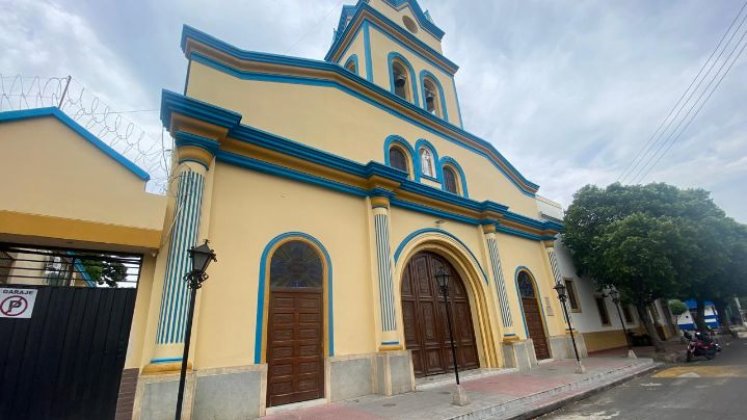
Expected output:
(423, 18)
(425, 74)
(262, 286)
(390, 59)
(288, 147)
(367, 51)
(441, 127)
(10, 116)
(424, 231)
(449, 161)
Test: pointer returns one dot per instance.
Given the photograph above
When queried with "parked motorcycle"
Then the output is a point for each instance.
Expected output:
(701, 344)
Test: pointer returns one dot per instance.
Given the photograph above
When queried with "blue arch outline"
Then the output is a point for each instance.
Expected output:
(400, 141)
(418, 232)
(416, 161)
(425, 74)
(354, 59)
(448, 160)
(519, 269)
(413, 82)
(261, 291)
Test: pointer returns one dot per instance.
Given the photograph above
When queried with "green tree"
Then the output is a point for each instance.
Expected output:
(105, 272)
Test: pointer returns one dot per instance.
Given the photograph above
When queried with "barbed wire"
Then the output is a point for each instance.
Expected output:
(150, 152)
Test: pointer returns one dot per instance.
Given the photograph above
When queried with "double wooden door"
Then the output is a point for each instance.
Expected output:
(533, 315)
(294, 351)
(424, 313)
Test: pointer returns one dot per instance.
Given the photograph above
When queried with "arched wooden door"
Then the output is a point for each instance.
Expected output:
(295, 328)
(533, 315)
(424, 313)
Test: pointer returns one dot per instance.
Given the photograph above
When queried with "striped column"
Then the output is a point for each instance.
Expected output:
(554, 263)
(500, 282)
(380, 207)
(184, 231)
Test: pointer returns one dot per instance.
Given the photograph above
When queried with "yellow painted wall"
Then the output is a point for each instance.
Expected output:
(604, 340)
(249, 210)
(357, 47)
(336, 122)
(381, 46)
(140, 317)
(396, 16)
(50, 170)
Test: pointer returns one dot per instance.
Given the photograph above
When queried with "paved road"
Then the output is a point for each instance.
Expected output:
(702, 390)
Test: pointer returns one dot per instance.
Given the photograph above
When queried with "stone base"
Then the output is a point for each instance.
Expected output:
(394, 373)
(350, 377)
(230, 393)
(519, 354)
(155, 398)
(561, 346)
(459, 397)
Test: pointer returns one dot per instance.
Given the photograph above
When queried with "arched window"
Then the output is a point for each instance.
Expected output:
(432, 101)
(526, 288)
(398, 159)
(351, 65)
(426, 162)
(296, 264)
(451, 180)
(400, 79)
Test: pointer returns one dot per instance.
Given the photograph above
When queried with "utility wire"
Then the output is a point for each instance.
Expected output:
(701, 104)
(314, 27)
(679, 105)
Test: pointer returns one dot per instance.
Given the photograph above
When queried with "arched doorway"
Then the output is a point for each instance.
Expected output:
(533, 314)
(295, 326)
(424, 315)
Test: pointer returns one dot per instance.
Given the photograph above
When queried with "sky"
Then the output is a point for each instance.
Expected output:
(569, 91)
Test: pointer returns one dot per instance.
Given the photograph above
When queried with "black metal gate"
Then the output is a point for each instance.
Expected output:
(66, 361)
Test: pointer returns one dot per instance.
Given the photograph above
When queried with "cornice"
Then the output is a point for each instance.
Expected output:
(261, 66)
(264, 152)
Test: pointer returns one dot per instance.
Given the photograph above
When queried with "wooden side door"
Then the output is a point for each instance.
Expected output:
(533, 317)
(424, 314)
(294, 346)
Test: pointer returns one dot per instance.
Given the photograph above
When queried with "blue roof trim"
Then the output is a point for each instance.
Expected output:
(299, 150)
(173, 102)
(336, 68)
(423, 17)
(78, 129)
(448, 66)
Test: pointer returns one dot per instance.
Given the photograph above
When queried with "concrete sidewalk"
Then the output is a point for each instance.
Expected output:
(501, 395)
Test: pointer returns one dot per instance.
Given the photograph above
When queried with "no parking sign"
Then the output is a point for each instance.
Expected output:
(17, 303)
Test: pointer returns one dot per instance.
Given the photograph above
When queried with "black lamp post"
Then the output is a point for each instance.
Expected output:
(442, 278)
(615, 295)
(560, 288)
(201, 257)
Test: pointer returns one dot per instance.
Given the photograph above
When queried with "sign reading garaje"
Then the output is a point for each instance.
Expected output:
(17, 303)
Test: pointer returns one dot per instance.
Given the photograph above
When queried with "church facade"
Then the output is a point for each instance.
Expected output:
(334, 192)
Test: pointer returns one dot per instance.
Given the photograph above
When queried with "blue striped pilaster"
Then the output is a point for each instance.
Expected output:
(184, 231)
(384, 265)
(554, 264)
(500, 283)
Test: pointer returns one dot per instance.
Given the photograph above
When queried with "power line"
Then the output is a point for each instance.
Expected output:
(314, 27)
(679, 105)
(702, 103)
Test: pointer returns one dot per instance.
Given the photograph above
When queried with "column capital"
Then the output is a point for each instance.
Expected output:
(379, 201)
(549, 245)
(195, 148)
(488, 228)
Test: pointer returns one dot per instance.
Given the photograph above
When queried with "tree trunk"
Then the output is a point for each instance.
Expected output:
(723, 315)
(700, 323)
(648, 323)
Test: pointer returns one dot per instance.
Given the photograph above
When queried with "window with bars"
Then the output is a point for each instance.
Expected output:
(451, 181)
(398, 159)
(573, 300)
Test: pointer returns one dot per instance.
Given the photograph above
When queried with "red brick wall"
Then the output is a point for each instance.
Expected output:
(126, 397)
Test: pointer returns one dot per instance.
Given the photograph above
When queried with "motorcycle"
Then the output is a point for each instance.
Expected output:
(701, 344)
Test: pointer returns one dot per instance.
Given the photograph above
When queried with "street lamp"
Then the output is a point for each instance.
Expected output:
(442, 278)
(615, 295)
(560, 288)
(201, 257)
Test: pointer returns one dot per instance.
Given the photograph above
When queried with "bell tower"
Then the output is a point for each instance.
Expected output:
(396, 45)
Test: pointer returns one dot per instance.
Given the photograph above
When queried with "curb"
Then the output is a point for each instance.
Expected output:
(516, 409)
(586, 394)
